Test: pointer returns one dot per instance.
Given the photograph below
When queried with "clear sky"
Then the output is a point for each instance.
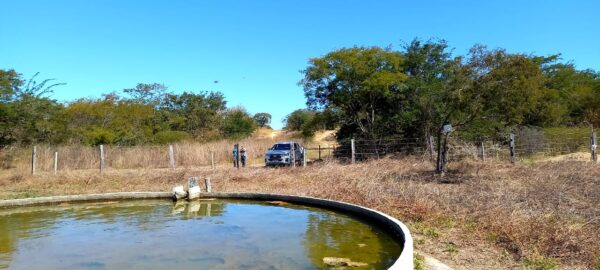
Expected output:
(256, 49)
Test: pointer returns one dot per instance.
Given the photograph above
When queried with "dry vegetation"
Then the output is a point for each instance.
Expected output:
(79, 157)
(187, 154)
(479, 216)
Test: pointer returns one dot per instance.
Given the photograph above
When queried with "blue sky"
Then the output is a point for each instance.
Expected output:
(256, 49)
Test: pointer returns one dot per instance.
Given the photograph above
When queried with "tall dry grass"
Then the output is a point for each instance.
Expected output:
(187, 154)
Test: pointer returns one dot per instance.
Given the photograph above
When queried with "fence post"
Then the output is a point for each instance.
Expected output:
(55, 162)
(208, 185)
(482, 151)
(33, 159)
(353, 150)
(594, 147)
(212, 159)
(319, 152)
(292, 154)
(304, 157)
(511, 144)
(237, 155)
(101, 159)
(431, 146)
(171, 158)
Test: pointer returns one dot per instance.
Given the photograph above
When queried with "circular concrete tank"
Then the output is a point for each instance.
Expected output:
(394, 227)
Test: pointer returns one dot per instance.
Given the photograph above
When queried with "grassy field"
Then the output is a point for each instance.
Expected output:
(478, 216)
(186, 154)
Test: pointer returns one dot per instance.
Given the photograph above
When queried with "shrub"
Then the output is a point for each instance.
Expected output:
(170, 136)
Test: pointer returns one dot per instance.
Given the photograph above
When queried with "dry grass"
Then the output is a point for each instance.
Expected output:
(479, 216)
(79, 157)
(187, 154)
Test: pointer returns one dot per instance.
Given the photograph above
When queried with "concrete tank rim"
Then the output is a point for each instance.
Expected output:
(403, 262)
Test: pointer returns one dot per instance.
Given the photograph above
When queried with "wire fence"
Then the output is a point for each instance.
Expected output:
(519, 147)
(375, 149)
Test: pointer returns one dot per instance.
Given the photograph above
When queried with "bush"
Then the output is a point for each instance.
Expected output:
(99, 136)
(570, 139)
(238, 124)
(170, 136)
(298, 119)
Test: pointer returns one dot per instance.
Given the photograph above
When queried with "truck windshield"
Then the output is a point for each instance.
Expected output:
(281, 146)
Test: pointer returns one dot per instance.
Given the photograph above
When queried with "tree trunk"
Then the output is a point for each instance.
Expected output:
(442, 153)
(439, 167)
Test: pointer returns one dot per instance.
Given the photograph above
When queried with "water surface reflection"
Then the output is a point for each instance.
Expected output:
(211, 234)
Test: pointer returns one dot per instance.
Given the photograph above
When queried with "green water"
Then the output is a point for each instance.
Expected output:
(157, 234)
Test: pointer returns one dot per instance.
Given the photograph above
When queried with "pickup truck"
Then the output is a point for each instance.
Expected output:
(279, 154)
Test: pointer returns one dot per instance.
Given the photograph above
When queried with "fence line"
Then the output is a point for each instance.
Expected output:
(514, 148)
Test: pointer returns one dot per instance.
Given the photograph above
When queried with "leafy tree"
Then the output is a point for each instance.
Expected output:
(262, 119)
(10, 81)
(297, 119)
(110, 120)
(439, 93)
(26, 114)
(307, 122)
(196, 114)
(571, 90)
(511, 84)
(591, 106)
(429, 100)
(145, 93)
(237, 123)
(358, 83)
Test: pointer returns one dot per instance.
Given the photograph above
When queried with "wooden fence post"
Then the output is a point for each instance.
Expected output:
(292, 154)
(101, 159)
(304, 154)
(208, 185)
(212, 159)
(594, 147)
(33, 159)
(482, 151)
(319, 152)
(237, 155)
(171, 158)
(511, 144)
(55, 162)
(353, 150)
(431, 147)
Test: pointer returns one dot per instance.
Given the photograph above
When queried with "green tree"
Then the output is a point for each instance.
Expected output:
(198, 114)
(568, 92)
(237, 123)
(145, 93)
(307, 122)
(27, 115)
(296, 120)
(359, 83)
(262, 119)
(511, 84)
(10, 81)
(439, 93)
(110, 120)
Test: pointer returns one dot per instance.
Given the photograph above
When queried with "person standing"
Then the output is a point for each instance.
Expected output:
(235, 155)
(243, 156)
